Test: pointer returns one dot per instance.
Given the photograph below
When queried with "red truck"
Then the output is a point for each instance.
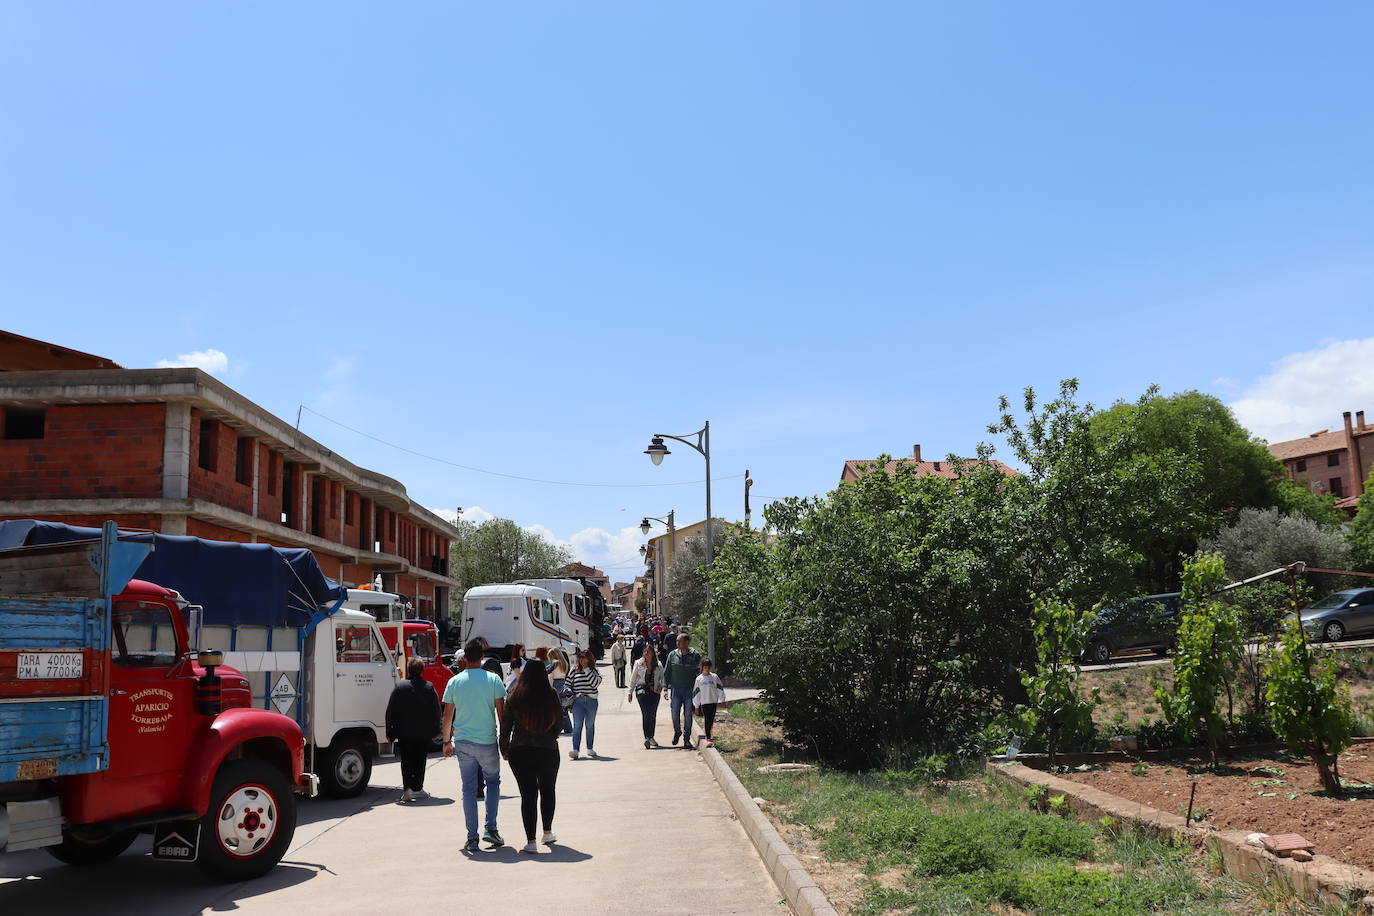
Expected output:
(420, 638)
(111, 724)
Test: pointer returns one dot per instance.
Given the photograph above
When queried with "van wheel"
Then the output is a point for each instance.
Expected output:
(346, 769)
(78, 848)
(249, 823)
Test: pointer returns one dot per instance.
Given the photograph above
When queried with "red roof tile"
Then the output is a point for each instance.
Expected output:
(858, 467)
(1316, 444)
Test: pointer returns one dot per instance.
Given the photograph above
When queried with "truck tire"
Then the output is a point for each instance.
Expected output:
(346, 768)
(249, 823)
(1099, 653)
(78, 847)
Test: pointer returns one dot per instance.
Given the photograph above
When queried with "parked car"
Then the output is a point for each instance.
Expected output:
(1340, 614)
(1141, 623)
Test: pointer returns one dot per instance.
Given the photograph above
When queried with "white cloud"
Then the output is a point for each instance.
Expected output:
(470, 514)
(212, 361)
(1308, 391)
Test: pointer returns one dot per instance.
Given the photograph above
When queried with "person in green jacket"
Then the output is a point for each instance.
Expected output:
(680, 676)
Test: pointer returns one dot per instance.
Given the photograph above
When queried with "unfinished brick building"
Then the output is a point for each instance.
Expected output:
(179, 452)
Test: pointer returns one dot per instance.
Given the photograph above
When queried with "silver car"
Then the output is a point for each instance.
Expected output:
(1340, 614)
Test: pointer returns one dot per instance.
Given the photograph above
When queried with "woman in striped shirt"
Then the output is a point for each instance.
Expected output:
(584, 682)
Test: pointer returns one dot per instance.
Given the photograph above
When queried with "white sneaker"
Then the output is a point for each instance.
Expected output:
(549, 838)
(572, 755)
(407, 796)
(530, 848)
(419, 795)
(591, 753)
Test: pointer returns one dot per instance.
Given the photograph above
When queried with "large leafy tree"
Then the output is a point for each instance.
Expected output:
(498, 550)
(1361, 533)
(895, 614)
(1229, 470)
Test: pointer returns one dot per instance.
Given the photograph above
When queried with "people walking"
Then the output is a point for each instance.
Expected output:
(618, 660)
(646, 687)
(529, 742)
(412, 721)
(584, 682)
(707, 694)
(473, 702)
(680, 675)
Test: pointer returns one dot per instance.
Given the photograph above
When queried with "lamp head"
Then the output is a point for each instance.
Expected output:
(657, 450)
(644, 526)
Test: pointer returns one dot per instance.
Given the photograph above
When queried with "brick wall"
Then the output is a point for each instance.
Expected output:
(269, 484)
(87, 451)
(217, 483)
(144, 522)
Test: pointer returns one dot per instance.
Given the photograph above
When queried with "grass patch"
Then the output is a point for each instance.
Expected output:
(932, 840)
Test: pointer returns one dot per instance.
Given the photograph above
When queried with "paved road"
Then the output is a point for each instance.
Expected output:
(1141, 659)
(626, 848)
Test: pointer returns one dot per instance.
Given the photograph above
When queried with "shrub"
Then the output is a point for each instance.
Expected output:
(1056, 838)
(958, 846)
(1310, 712)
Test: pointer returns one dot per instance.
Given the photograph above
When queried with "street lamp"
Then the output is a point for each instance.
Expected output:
(661, 564)
(656, 451)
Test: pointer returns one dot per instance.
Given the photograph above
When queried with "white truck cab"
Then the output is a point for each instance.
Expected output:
(511, 613)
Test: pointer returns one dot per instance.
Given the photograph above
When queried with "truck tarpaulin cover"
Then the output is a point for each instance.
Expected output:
(235, 583)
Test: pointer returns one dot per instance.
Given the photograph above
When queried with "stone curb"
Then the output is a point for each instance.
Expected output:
(787, 871)
(1323, 881)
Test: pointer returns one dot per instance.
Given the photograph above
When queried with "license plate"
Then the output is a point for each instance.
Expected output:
(49, 665)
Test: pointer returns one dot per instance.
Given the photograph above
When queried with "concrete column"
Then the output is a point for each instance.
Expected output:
(306, 486)
(343, 511)
(176, 452)
(257, 463)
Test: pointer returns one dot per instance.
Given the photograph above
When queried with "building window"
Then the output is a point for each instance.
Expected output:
(1333, 460)
(1337, 490)
(273, 466)
(25, 422)
(205, 458)
(349, 500)
(243, 460)
(1301, 465)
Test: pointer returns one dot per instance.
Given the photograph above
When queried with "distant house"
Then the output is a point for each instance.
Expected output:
(858, 467)
(592, 575)
(1331, 461)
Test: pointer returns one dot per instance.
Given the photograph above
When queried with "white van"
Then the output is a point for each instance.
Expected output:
(572, 597)
(504, 615)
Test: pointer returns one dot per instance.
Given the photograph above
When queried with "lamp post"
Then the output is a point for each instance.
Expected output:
(661, 570)
(656, 451)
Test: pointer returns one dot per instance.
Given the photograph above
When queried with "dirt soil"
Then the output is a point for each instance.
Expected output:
(1274, 794)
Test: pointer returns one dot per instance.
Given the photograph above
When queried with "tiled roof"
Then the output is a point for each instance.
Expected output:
(858, 467)
(1350, 503)
(1327, 440)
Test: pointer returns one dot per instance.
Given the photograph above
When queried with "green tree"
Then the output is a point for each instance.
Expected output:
(498, 550)
(894, 615)
(1206, 657)
(1360, 535)
(1055, 709)
(687, 580)
(1230, 470)
(1310, 713)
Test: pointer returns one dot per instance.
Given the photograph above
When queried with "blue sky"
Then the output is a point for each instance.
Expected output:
(524, 237)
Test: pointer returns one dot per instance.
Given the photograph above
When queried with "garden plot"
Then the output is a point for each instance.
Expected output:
(1268, 794)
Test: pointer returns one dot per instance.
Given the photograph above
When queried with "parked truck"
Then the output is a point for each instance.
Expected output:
(509, 614)
(400, 628)
(110, 723)
(283, 625)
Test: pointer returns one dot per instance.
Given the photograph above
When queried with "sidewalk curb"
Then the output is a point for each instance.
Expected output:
(791, 877)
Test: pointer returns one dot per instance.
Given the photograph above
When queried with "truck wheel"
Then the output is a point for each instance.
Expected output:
(249, 823)
(77, 848)
(347, 768)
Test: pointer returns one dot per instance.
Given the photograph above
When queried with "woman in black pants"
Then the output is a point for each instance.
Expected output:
(646, 685)
(530, 725)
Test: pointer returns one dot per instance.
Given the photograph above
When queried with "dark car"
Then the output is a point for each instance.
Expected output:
(1340, 614)
(1141, 623)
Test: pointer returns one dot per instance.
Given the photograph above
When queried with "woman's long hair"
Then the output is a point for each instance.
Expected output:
(653, 657)
(517, 654)
(532, 701)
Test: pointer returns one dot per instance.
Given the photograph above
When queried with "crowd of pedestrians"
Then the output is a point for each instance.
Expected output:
(488, 715)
